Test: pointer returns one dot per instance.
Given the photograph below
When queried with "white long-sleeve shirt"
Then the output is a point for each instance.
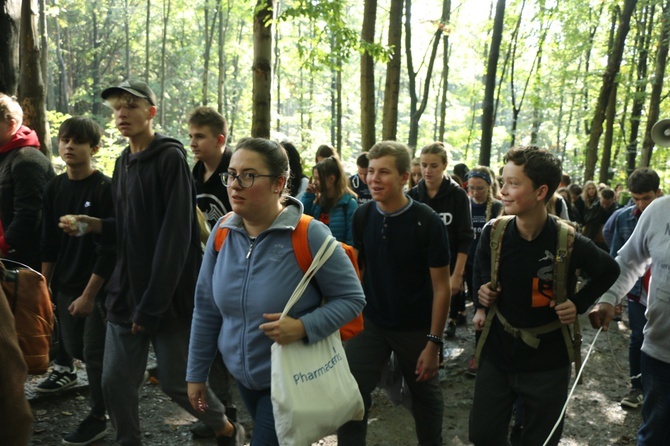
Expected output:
(650, 242)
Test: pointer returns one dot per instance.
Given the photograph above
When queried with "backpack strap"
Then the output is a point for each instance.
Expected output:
(497, 232)
(221, 233)
(566, 241)
(300, 242)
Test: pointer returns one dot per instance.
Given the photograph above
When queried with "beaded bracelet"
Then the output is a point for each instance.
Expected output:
(436, 339)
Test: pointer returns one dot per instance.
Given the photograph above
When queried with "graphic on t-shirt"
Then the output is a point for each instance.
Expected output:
(212, 207)
(543, 284)
(446, 217)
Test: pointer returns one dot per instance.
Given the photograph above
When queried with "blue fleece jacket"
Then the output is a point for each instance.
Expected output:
(250, 277)
(341, 215)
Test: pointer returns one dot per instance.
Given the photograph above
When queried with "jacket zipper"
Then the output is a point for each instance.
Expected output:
(251, 247)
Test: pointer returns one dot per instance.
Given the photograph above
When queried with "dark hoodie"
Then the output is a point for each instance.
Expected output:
(212, 195)
(24, 171)
(452, 204)
(157, 238)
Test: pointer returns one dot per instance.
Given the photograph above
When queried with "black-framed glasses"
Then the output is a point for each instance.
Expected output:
(245, 179)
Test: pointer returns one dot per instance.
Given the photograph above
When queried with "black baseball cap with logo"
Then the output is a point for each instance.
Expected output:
(136, 88)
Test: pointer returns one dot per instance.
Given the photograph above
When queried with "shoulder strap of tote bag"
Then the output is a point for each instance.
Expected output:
(324, 253)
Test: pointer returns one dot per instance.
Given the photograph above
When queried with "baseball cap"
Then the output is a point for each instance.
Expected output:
(136, 88)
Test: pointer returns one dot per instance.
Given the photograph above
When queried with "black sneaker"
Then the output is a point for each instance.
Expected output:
(238, 438)
(450, 332)
(88, 431)
(60, 378)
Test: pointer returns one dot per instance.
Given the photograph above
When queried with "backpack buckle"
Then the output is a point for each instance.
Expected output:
(561, 255)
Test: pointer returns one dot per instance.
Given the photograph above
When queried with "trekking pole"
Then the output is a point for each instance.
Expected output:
(574, 385)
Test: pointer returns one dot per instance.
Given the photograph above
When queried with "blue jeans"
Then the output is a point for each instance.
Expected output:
(259, 405)
(637, 321)
(655, 429)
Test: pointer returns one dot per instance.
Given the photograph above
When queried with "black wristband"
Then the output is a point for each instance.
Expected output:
(436, 339)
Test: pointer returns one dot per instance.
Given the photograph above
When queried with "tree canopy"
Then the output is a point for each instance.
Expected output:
(567, 72)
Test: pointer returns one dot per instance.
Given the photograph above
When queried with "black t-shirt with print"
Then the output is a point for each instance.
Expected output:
(526, 281)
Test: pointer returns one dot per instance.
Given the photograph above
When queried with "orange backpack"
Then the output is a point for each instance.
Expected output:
(28, 297)
(304, 257)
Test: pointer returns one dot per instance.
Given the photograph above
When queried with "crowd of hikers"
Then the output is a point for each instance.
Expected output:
(198, 263)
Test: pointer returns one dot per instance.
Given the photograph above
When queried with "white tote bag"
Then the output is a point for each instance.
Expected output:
(313, 392)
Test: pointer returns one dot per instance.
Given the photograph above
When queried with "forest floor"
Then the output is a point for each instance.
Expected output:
(594, 416)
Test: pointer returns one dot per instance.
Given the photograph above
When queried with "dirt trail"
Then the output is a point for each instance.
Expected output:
(594, 416)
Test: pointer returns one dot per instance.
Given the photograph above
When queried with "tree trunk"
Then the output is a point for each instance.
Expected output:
(656, 85)
(639, 97)
(338, 104)
(606, 159)
(10, 15)
(235, 96)
(62, 101)
(208, 29)
(31, 85)
(392, 87)
(262, 70)
(166, 19)
(126, 33)
(587, 64)
(44, 53)
(277, 73)
(609, 77)
(147, 48)
(97, 56)
(487, 105)
(368, 135)
(446, 17)
(416, 109)
(223, 31)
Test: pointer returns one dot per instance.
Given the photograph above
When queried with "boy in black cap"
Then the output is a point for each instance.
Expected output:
(150, 293)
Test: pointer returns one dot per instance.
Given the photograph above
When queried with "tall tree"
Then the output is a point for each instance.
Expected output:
(416, 108)
(167, 5)
(487, 105)
(610, 115)
(609, 77)
(32, 95)
(223, 31)
(147, 42)
(10, 14)
(208, 30)
(368, 77)
(656, 85)
(642, 42)
(262, 69)
(392, 86)
(446, 17)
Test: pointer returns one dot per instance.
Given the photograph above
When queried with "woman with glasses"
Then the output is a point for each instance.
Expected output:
(329, 199)
(243, 288)
(484, 207)
(451, 202)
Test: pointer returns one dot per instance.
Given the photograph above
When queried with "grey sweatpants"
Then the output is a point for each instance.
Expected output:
(124, 364)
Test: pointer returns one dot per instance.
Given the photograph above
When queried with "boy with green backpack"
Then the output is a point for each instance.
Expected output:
(521, 269)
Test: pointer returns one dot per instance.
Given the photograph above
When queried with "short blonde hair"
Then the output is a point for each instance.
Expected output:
(10, 109)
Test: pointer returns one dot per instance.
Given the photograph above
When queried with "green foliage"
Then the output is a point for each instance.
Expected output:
(317, 39)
